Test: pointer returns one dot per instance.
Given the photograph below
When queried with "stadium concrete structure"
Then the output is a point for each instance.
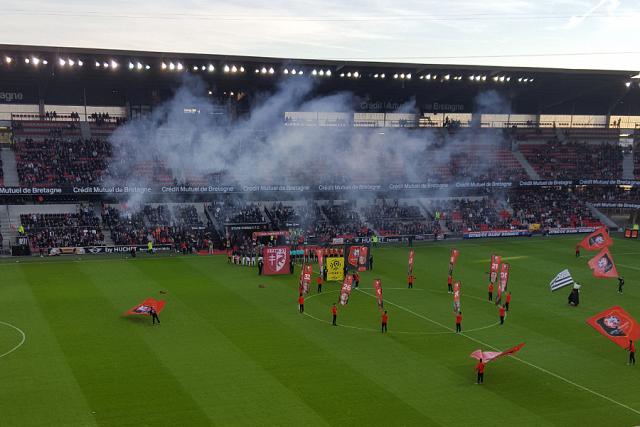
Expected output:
(596, 112)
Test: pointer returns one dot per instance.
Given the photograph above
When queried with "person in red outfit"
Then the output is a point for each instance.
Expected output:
(449, 284)
(301, 303)
(459, 322)
(490, 291)
(319, 281)
(410, 279)
(385, 320)
(502, 313)
(480, 370)
(507, 301)
(632, 353)
(334, 313)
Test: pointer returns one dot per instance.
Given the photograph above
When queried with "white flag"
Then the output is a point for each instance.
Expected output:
(562, 279)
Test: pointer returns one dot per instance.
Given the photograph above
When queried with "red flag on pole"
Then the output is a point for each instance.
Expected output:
(145, 306)
(597, 240)
(377, 284)
(603, 265)
(504, 280)
(495, 268)
(617, 325)
(345, 291)
(305, 278)
(276, 260)
(320, 256)
(456, 297)
(411, 255)
(454, 257)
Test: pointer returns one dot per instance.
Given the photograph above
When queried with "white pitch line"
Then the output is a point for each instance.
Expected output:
(553, 374)
(629, 266)
(24, 338)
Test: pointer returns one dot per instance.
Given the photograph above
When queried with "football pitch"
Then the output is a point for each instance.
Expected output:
(232, 348)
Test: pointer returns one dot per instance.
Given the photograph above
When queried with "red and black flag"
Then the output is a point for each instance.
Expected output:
(145, 307)
(345, 291)
(494, 268)
(504, 280)
(597, 240)
(453, 258)
(603, 265)
(617, 325)
(377, 284)
(411, 256)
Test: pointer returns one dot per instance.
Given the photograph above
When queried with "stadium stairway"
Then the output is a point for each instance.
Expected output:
(85, 130)
(8, 235)
(9, 167)
(97, 208)
(627, 166)
(602, 217)
(526, 165)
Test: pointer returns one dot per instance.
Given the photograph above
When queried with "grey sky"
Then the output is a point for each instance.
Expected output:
(500, 32)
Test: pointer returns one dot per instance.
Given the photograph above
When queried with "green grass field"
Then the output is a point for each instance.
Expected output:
(229, 352)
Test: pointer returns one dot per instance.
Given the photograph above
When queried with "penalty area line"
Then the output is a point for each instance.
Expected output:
(541, 369)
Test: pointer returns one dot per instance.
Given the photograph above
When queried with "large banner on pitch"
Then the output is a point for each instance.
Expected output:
(335, 269)
(597, 240)
(602, 265)
(617, 325)
(276, 260)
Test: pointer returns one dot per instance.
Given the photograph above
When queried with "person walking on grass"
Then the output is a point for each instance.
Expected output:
(301, 303)
(502, 312)
(507, 301)
(620, 284)
(632, 353)
(410, 279)
(385, 320)
(458, 322)
(480, 371)
(490, 291)
(319, 281)
(334, 314)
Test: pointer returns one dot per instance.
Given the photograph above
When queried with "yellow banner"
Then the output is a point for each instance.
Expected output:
(335, 269)
(534, 227)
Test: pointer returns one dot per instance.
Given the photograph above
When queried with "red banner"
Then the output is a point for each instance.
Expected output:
(411, 256)
(617, 325)
(357, 257)
(145, 306)
(603, 265)
(597, 240)
(495, 268)
(504, 280)
(305, 279)
(488, 356)
(377, 284)
(363, 258)
(345, 291)
(456, 297)
(454, 257)
(276, 260)
(257, 234)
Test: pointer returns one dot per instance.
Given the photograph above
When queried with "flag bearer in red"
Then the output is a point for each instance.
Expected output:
(632, 353)
(490, 291)
(385, 320)
(301, 303)
(319, 281)
(480, 370)
(507, 301)
(459, 322)
(334, 314)
(410, 279)
(502, 313)
(450, 284)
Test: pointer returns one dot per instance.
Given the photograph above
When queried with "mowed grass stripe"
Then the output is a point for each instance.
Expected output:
(119, 374)
(229, 386)
(38, 386)
(270, 332)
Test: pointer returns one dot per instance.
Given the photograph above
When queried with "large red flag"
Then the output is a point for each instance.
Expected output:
(276, 260)
(488, 356)
(456, 297)
(320, 256)
(603, 265)
(504, 280)
(411, 255)
(495, 268)
(617, 325)
(597, 240)
(345, 291)
(377, 284)
(145, 306)
(362, 259)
